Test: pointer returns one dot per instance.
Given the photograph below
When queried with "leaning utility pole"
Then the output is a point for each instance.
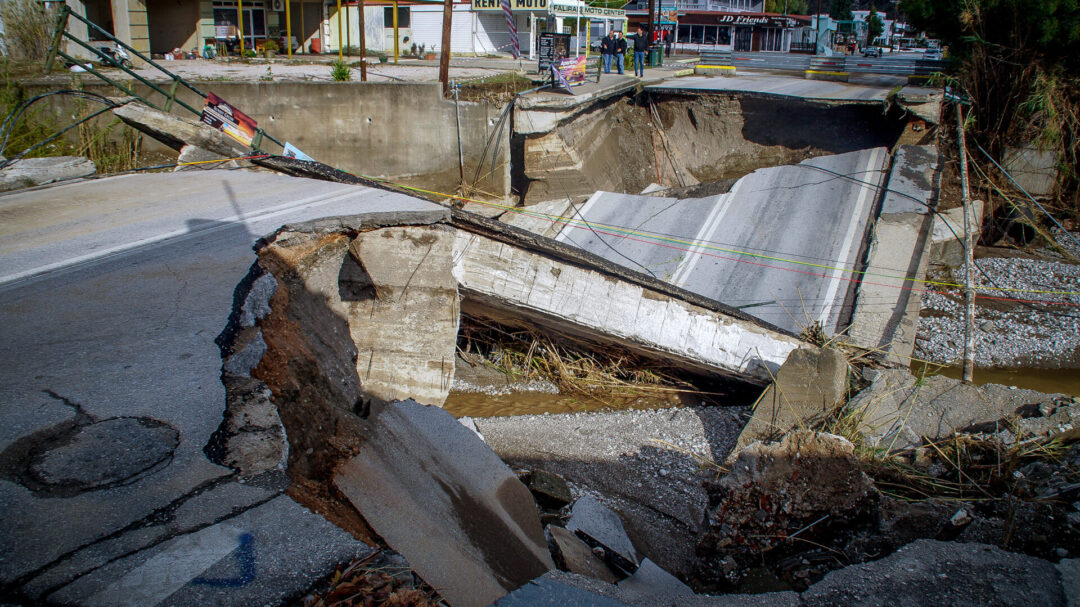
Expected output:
(444, 58)
(969, 254)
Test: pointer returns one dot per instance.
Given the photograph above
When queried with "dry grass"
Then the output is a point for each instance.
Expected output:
(531, 355)
(960, 467)
(28, 27)
(363, 584)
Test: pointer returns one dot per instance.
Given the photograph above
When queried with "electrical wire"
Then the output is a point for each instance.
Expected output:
(8, 126)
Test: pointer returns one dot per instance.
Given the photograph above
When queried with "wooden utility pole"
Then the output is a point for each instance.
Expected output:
(363, 43)
(969, 252)
(444, 58)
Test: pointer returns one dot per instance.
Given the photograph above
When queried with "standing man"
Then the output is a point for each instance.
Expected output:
(641, 44)
(607, 50)
(620, 51)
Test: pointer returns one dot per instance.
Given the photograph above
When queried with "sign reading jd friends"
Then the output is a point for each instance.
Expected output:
(517, 5)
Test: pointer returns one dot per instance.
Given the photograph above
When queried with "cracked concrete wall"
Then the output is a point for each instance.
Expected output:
(402, 131)
(512, 285)
(338, 320)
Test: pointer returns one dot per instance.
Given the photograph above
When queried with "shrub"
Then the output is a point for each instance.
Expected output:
(28, 28)
(340, 71)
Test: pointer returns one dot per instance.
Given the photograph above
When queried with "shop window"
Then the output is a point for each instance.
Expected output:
(225, 23)
(402, 17)
(723, 36)
(771, 39)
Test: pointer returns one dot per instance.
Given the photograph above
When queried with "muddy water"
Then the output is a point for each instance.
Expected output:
(471, 404)
(1065, 381)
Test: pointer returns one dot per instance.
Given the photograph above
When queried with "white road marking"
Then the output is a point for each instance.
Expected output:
(580, 215)
(216, 225)
(693, 255)
(165, 573)
(864, 195)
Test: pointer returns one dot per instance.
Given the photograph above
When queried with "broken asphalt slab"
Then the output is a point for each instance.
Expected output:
(29, 172)
(898, 410)
(442, 498)
(112, 292)
(925, 573)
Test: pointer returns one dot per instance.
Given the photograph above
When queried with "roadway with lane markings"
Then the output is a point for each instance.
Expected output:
(815, 212)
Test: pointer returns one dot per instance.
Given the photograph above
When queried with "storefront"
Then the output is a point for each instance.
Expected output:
(744, 32)
(587, 24)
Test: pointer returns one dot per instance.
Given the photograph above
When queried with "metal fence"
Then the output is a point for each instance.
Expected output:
(903, 65)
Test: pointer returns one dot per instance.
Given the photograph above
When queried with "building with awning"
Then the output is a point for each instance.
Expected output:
(728, 25)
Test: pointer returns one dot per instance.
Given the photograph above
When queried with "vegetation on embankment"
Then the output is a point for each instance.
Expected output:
(1018, 61)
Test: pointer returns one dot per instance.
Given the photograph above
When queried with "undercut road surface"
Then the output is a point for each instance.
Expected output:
(112, 292)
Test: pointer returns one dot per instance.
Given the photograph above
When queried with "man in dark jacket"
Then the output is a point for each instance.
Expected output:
(620, 51)
(607, 50)
(641, 44)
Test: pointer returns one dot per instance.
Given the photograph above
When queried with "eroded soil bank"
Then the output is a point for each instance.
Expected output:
(620, 145)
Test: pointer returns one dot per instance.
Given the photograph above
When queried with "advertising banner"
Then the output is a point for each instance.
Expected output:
(568, 72)
(552, 47)
(227, 119)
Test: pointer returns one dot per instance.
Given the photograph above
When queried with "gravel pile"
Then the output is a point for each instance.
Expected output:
(1008, 333)
(644, 464)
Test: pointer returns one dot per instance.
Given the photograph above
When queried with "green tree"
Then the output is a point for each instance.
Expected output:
(787, 7)
(841, 10)
(1018, 60)
(874, 26)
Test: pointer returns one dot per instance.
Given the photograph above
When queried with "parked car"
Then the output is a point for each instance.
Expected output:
(872, 51)
(934, 53)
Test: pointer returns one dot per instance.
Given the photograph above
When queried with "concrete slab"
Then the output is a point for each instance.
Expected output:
(402, 311)
(776, 246)
(786, 86)
(575, 555)
(441, 498)
(808, 387)
(30, 172)
(515, 284)
(600, 527)
(913, 181)
(112, 292)
(1035, 170)
(889, 293)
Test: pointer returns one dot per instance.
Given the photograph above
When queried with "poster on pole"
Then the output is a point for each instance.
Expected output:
(552, 47)
(229, 120)
(568, 72)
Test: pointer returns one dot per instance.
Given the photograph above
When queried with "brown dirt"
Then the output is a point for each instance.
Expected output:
(324, 499)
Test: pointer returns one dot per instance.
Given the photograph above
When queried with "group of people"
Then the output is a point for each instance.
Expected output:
(614, 46)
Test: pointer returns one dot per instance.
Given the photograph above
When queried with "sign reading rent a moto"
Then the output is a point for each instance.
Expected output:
(517, 5)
